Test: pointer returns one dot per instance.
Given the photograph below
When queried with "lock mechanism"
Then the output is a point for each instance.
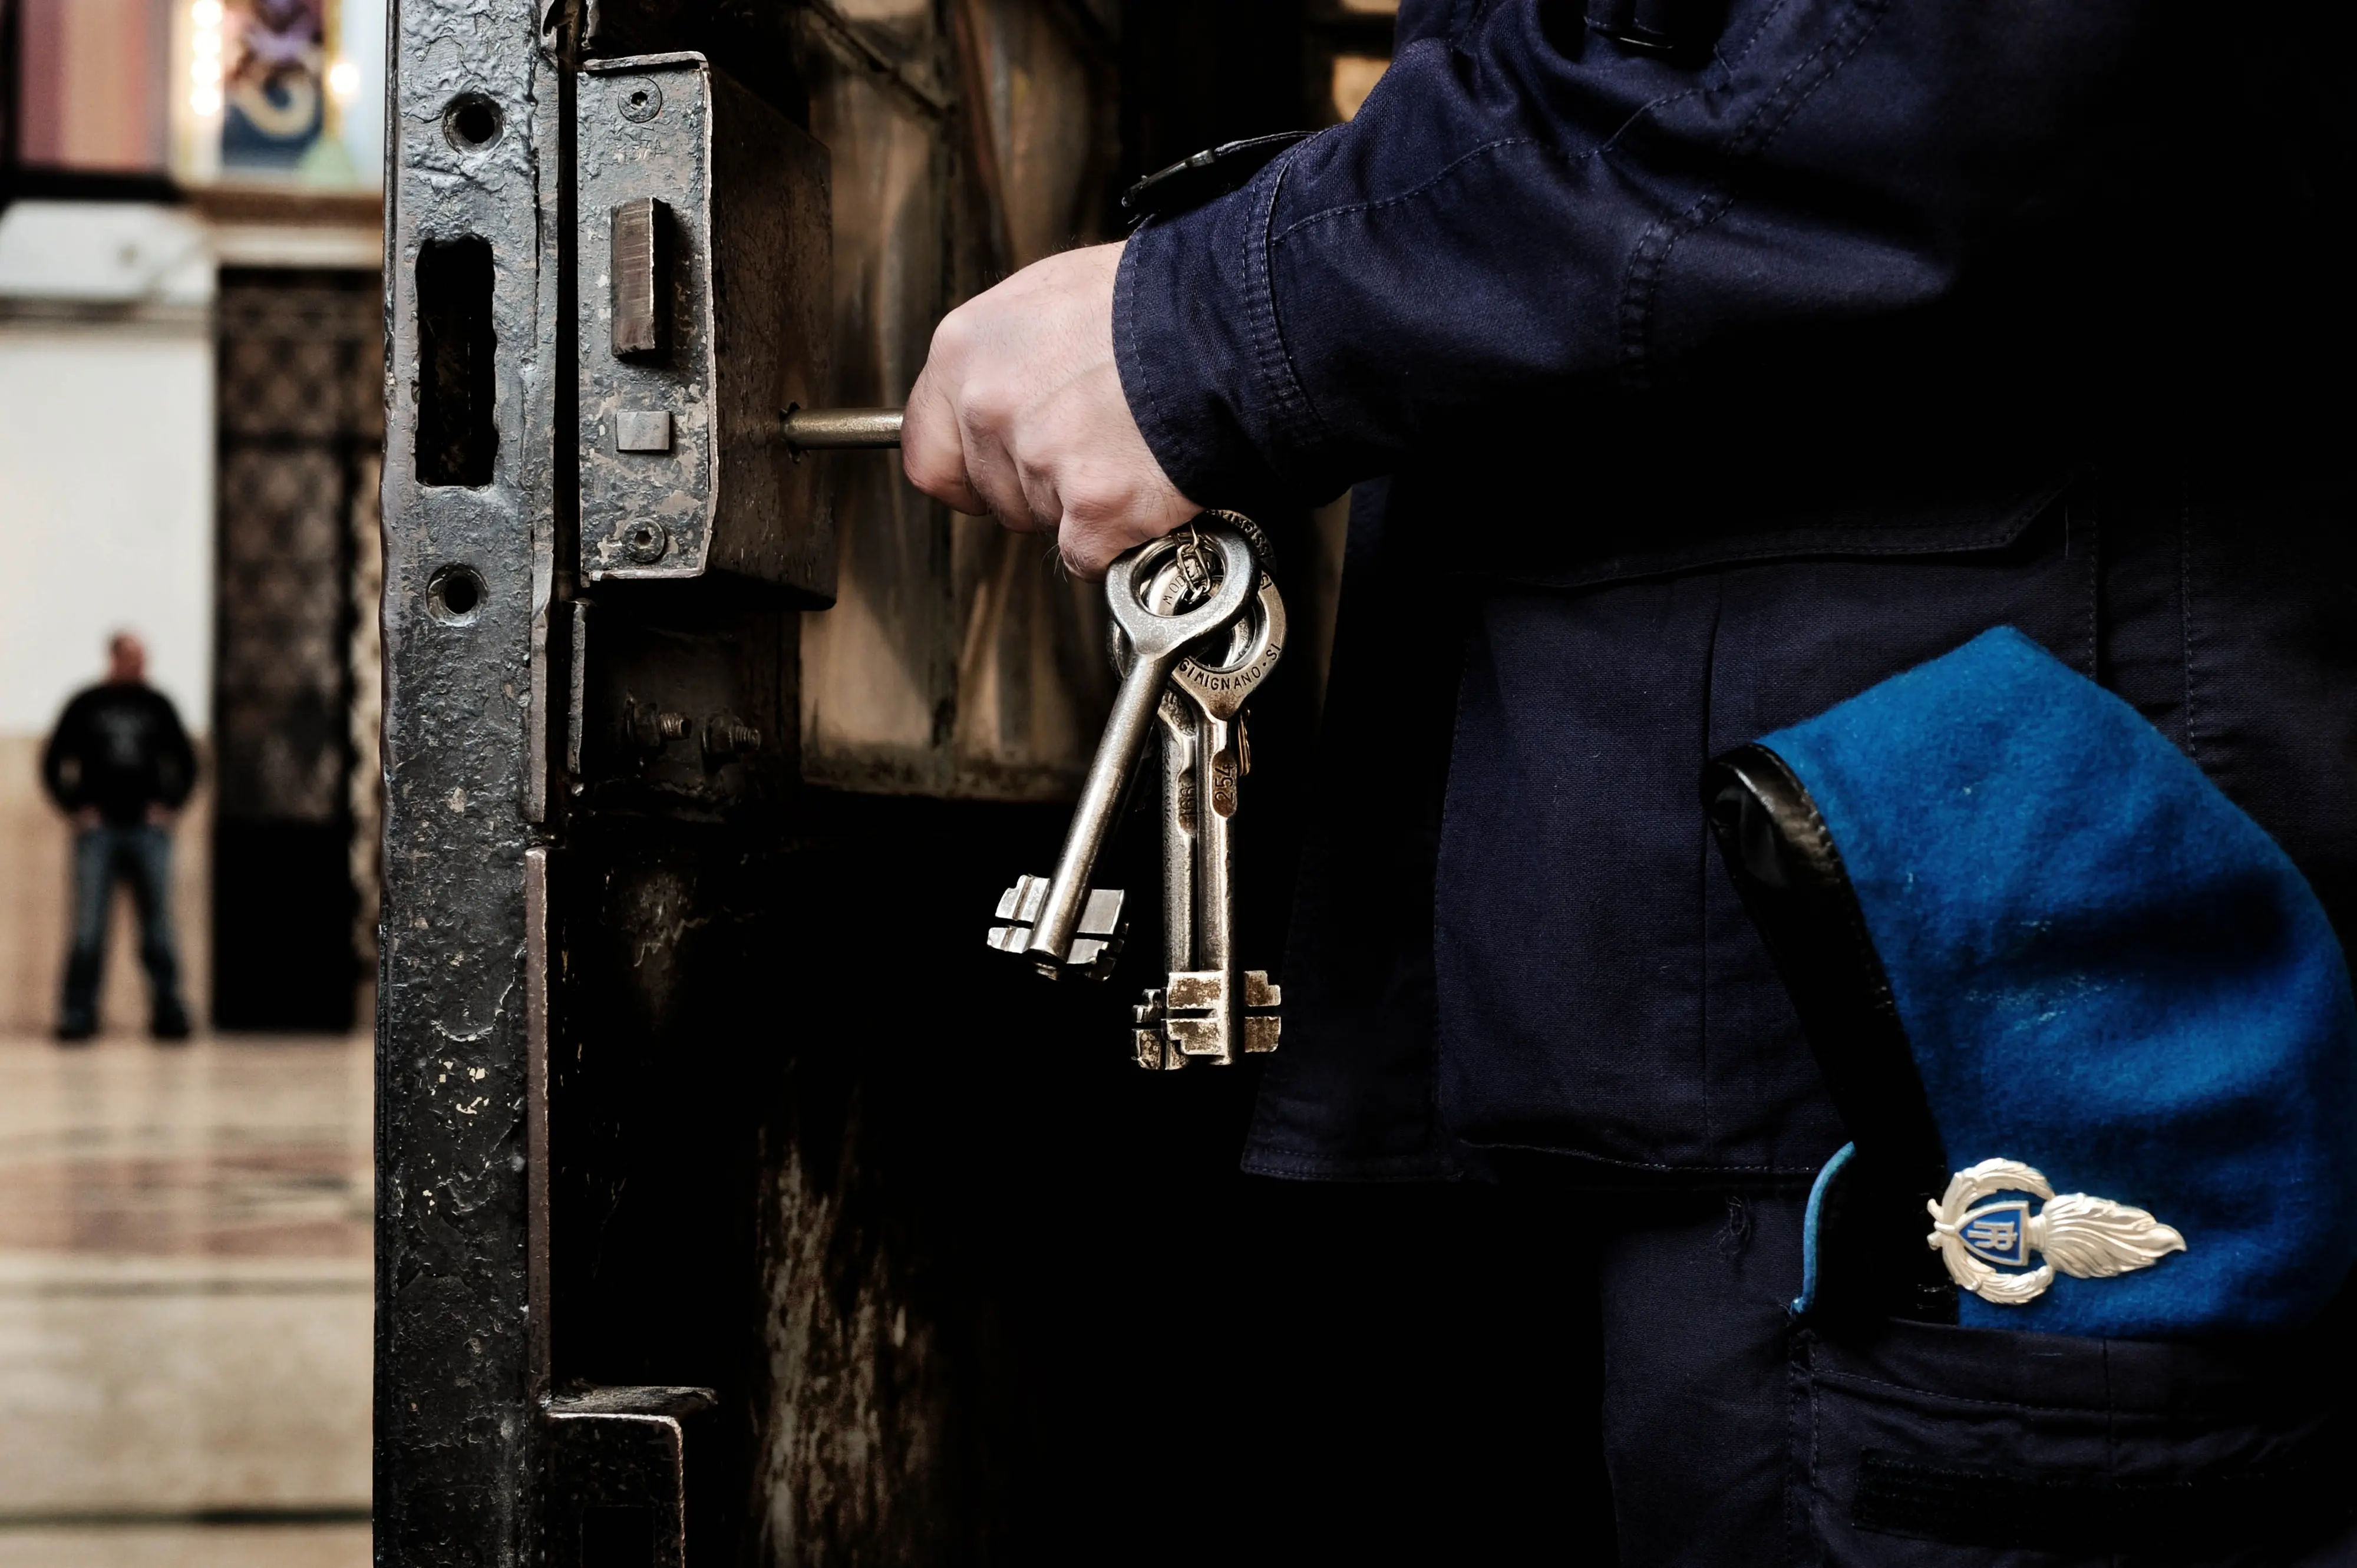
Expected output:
(705, 309)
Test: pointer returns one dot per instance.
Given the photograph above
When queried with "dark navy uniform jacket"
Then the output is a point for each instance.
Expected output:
(1703, 389)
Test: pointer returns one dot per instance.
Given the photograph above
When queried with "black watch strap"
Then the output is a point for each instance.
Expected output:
(1192, 181)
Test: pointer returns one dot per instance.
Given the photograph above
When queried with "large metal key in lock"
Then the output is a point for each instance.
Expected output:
(1059, 921)
(840, 429)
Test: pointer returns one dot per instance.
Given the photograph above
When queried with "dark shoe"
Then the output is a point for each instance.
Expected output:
(171, 1023)
(76, 1031)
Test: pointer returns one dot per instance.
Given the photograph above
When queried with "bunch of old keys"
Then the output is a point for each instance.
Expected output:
(1197, 627)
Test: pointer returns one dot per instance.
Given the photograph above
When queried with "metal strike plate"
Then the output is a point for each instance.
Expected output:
(705, 308)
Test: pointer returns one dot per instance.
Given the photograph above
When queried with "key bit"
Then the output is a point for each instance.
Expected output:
(1154, 1051)
(1100, 930)
(1189, 1019)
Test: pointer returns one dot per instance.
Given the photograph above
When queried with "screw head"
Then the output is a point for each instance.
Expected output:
(642, 100)
(646, 541)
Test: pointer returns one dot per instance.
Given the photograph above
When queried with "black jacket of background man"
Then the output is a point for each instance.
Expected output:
(120, 748)
(1712, 385)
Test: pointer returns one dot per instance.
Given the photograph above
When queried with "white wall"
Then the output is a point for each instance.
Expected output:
(105, 513)
(106, 456)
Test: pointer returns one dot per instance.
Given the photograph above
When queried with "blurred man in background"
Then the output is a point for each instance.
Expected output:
(119, 765)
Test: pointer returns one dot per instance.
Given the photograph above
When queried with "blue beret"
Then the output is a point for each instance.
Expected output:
(2129, 1016)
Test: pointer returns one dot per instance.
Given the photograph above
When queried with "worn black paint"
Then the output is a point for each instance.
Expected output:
(457, 1449)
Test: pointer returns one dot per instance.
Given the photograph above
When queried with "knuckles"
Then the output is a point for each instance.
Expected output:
(1097, 500)
(987, 405)
(953, 338)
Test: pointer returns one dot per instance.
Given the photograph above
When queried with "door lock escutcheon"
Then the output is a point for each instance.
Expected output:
(706, 307)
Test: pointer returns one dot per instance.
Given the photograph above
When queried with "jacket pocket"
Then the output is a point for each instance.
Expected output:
(1703, 528)
(1919, 1445)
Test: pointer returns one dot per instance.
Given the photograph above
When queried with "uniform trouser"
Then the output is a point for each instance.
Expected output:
(141, 855)
(1735, 1437)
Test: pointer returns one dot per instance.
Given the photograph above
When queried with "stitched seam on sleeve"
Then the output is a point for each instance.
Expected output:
(1417, 191)
(1751, 41)
(1125, 315)
(1649, 260)
(1291, 406)
(1290, 402)
(1638, 117)
(1297, 422)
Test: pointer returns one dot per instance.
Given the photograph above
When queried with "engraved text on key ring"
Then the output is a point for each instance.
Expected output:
(1220, 688)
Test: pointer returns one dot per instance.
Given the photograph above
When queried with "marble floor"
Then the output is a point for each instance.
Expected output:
(184, 1304)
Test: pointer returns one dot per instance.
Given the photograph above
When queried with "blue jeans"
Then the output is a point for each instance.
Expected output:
(140, 854)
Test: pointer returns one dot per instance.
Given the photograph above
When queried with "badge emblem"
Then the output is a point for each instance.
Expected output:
(2086, 1238)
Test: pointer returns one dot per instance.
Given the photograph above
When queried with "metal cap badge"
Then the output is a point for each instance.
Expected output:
(2086, 1238)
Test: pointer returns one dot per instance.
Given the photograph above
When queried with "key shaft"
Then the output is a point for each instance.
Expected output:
(1215, 993)
(1156, 643)
(1179, 772)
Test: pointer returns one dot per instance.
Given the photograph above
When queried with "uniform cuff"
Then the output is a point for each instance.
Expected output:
(1203, 358)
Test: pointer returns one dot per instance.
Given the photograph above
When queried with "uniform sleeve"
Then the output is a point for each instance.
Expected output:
(1528, 212)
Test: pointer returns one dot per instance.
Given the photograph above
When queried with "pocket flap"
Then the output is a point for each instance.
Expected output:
(2089, 1450)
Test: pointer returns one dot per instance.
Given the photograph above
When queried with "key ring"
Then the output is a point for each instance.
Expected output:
(1193, 560)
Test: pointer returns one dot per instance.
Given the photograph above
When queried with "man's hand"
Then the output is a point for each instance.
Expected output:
(1019, 412)
(161, 816)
